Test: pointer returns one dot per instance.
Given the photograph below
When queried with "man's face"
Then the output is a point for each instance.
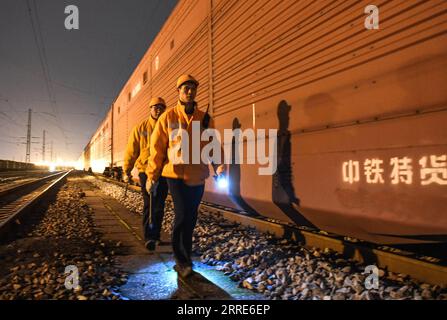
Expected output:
(157, 110)
(187, 92)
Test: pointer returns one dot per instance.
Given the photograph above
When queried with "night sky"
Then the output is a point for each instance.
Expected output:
(84, 69)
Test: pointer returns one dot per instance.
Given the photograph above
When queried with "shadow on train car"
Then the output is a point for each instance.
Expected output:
(234, 172)
(283, 191)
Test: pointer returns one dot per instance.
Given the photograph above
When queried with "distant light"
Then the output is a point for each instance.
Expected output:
(52, 167)
(98, 166)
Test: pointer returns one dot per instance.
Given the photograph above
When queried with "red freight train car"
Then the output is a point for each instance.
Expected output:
(360, 112)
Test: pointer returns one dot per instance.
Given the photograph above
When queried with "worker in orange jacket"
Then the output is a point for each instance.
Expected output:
(137, 154)
(186, 181)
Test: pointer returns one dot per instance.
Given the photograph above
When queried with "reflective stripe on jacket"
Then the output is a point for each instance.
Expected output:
(138, 147)
(165, 142)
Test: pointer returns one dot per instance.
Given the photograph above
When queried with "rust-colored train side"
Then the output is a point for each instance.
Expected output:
(97, 155)
(361, 114)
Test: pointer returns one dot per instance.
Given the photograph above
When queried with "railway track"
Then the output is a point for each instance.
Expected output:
(58, 232)
(20, 172)
(16, 200)
(9, 178)
(416, 263)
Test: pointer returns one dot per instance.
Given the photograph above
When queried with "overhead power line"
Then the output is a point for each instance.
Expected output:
(67, 86)
(9, 142)
(40, 44)
(11, 107)
(10, 119)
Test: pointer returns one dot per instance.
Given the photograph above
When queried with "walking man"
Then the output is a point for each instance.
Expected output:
(137, 154)
(186, 181)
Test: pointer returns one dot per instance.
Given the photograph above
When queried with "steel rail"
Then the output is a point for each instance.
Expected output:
(18, 207)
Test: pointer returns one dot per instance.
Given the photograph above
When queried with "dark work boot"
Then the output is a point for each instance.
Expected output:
(183, 270)
(150, 245)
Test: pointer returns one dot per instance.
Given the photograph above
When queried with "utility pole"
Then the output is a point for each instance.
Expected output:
(28, 139)
(111, 137)
(43, 147)
(51, 150)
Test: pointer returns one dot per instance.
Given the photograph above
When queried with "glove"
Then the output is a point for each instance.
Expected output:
(151, 186)
(127, 177)
(220, 170)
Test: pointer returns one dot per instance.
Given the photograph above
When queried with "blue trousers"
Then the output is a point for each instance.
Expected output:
(186, 203)
(152, 222)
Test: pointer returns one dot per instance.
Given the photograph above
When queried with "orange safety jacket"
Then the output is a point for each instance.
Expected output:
(164, 142)
(138, 146)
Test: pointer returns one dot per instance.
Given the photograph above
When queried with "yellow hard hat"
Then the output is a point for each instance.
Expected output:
(186, 78)
(155, 101)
